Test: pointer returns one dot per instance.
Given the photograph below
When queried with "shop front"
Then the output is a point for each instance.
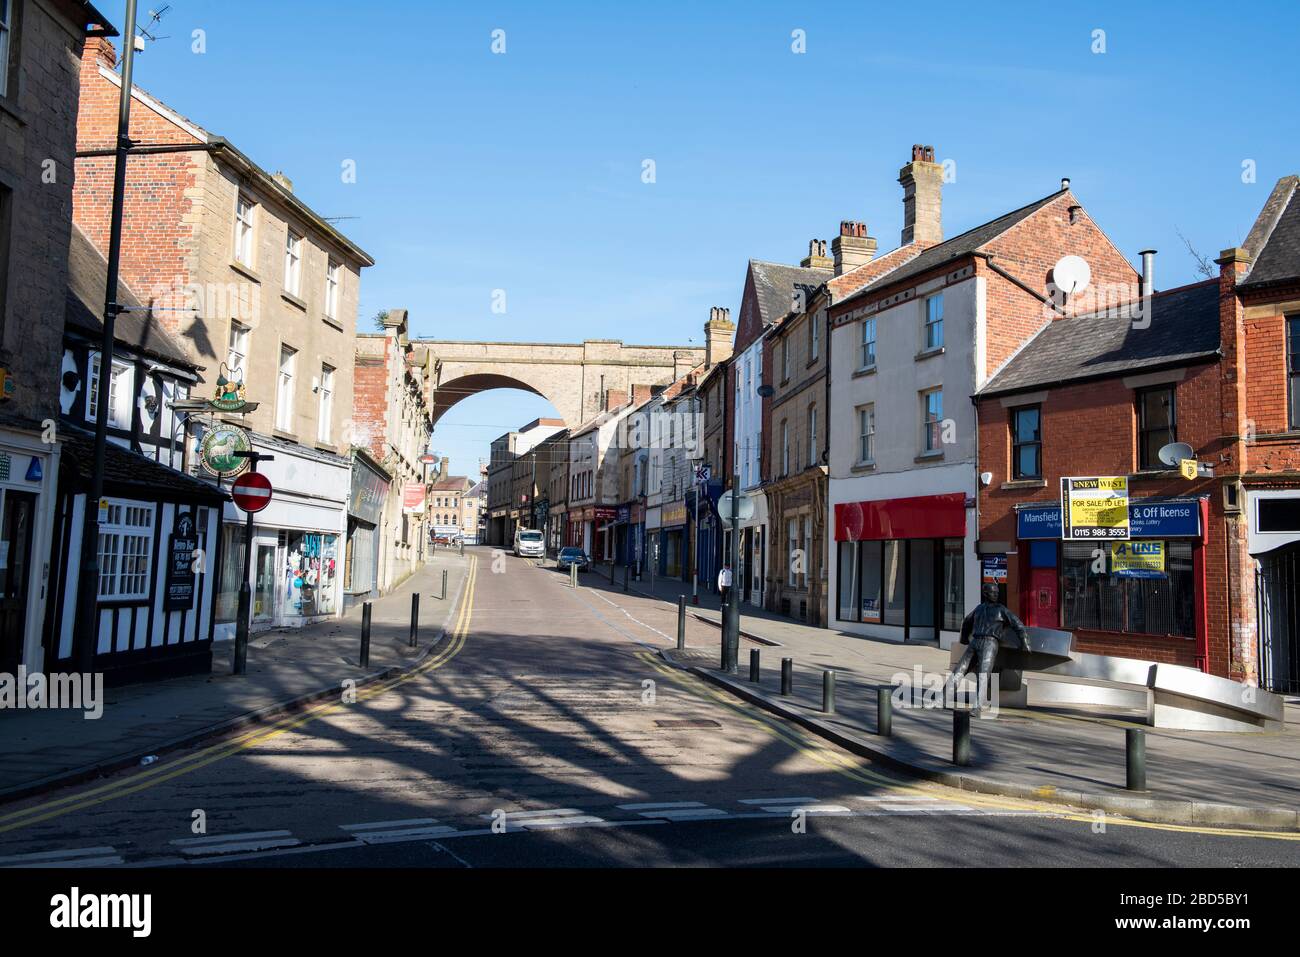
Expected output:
(370, 485)
(1144, 597)
(299, 540)
(28, 471)
(673, 559)
(900, 567)
(1273, 540)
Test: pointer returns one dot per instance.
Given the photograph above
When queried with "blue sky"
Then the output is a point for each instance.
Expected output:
(523, 171)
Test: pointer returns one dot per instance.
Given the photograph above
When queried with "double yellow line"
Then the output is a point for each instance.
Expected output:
(250, 739)
(842, 764)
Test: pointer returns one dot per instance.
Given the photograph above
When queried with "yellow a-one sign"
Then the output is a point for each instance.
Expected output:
(1138, 559)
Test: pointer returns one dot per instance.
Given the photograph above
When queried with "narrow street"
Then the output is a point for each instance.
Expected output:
(545, 731)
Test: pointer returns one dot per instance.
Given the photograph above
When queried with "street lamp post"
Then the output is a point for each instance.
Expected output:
(87, 620)
(731, 614)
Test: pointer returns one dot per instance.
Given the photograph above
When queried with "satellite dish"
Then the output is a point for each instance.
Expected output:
(766, 391)
(1175, 452)
(1071, 274)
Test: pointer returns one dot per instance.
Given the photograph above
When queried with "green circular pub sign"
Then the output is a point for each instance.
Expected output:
(217, 451)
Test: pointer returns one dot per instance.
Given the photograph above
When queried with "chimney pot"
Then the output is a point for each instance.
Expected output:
(1065, 182)
(852, 247)
(1148, 272)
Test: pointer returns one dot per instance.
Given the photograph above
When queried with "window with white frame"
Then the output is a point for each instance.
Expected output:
(125, 547)
(6, 31)
(785, 359)
(812, 435)
(814, 338)
(237, 350)
(934, 322)
(785, 449)
(284, 389)
(120, 390)
(244, 231)
(867, 353)
(326, 394)
(292, 263)
(866, 434)
(333, 274)
(932, 420)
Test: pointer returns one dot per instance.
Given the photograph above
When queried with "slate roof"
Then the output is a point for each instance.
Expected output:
(953, 249)
(126, 470)
(1275, 238)
(775, 284)
(1184, 328)
(136, 329)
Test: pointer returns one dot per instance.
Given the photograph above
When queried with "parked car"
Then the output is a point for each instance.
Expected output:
(573, 556)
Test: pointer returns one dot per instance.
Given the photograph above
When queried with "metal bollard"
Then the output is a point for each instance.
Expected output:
(787, 676)
(444, 584)
(1135, 748)
(573, 576)
(681, 622)
(884, 712)
(755, 666)
(828, 692)
(415, 617)
(961, 737)
(365, 635)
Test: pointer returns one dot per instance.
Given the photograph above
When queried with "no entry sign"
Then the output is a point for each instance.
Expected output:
(251, 491)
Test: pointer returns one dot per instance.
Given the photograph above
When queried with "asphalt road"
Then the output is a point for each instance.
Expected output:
(545, 732)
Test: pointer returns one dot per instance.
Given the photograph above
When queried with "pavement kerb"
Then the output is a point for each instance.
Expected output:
(258, 716)
(770, 642)
(1153, 810)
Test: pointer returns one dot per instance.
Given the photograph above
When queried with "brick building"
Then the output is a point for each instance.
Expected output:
(41, 44)
(392, 421)
(1101, 395)
(908, 350)
(714, 391)
(1260, 329)
(262, 292)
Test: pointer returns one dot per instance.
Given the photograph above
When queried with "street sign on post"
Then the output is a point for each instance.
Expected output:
(744, 506)
(251, 491)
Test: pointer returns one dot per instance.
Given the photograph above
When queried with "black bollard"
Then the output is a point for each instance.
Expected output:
(884, 712)
(681, 622)
(755, 666)
(828, 692)
(627, 574)
(1135, 748)
(961, 737)
(787, 676)
(365, 635)
(415, 617)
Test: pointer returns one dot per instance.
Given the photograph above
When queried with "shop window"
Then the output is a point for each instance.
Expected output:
(1157, 425)
(902, 582)
(310, 573)
(954, 584)
(232, 571)
(1026, 443)
(894, 584)
(1155, 595)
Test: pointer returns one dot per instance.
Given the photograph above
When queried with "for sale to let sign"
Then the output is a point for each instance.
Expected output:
(1094, 508)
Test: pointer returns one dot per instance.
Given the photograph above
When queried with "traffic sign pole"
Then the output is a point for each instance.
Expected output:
(242, 620)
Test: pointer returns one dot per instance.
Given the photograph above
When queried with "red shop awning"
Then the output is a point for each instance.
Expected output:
(923, 516)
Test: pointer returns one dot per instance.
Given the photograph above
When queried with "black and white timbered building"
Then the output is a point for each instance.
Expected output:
(159, 527)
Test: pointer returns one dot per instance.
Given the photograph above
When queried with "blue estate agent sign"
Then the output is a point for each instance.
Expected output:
(1148, 518)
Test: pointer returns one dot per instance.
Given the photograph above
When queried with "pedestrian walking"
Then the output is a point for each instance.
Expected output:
(724, 583)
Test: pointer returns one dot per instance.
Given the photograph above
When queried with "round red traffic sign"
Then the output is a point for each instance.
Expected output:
(251, 491)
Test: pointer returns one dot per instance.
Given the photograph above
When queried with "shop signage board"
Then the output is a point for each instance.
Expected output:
(993, 570)
(1094, 507)
(181, 545)
(1140, 559)
(413, 498)
(1148, 518)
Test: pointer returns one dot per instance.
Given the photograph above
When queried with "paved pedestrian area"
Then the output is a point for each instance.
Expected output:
(47, 745)
(1068, 751)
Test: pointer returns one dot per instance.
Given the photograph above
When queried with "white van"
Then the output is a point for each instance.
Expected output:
(529, 544)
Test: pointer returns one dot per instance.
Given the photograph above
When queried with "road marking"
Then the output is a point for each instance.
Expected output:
(549, 818)
(234, 843)
(165, 771)
(78, 857)
(394, 832)
(676, 810)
